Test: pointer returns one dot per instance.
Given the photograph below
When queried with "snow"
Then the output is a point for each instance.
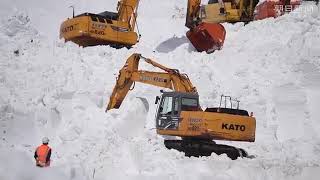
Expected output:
(56, 89)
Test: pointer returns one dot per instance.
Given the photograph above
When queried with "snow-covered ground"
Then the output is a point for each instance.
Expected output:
(56, 89)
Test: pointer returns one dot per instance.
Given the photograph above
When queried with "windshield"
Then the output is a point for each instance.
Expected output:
(166, 105)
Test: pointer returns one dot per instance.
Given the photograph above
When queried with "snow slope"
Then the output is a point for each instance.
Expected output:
(55, 89)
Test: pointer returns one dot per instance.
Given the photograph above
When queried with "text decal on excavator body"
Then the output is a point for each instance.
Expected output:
(69, 28)
(157, 79)
(235, 127)
(98, 28)
(194, 124)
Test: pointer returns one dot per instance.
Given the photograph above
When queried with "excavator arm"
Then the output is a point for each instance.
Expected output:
(127, 11)
(192, 15)
(130, 74)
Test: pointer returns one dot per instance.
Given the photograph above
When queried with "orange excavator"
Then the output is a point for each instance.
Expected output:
(207, 34)
(107, 28)
(179, 112)
(205, 31)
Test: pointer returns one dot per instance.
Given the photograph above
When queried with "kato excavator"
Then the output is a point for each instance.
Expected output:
(179, 113)
(205, 31)
(106, 28)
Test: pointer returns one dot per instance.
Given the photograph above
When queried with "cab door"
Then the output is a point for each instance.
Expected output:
(168, 113)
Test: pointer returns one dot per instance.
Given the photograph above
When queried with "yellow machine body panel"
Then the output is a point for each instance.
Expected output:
(219, 12)
(116, 29)
(211, 13)
(86, 32)
(74, 28)
(214, 125)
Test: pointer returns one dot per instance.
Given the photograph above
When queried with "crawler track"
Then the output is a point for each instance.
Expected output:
(204, 148)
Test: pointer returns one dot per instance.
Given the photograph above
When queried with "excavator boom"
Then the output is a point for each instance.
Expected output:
(192, 16)
(129, 74)
(127, 11)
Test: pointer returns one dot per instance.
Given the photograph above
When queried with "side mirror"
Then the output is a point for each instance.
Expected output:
(157, 100)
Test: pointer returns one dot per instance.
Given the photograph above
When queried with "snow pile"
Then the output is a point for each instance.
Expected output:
(55, 89)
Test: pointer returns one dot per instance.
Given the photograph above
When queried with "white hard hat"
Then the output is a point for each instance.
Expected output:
(45, 140)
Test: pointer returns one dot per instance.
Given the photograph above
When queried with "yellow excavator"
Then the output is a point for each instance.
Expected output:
(106, 28)
(118, 28)
(206, 33)
(179, 113)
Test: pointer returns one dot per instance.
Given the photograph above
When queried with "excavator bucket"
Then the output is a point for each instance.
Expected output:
(207, 37)
(274, 8)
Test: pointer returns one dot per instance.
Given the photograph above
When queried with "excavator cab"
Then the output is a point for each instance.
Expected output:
(170, 107)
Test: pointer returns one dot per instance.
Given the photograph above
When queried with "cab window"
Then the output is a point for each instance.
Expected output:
(203, 14)
(93, 18)
(166, 105)
(189, 104)
(212, 1)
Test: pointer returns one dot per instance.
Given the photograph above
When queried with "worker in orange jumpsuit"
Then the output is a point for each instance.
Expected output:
(43, 153)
